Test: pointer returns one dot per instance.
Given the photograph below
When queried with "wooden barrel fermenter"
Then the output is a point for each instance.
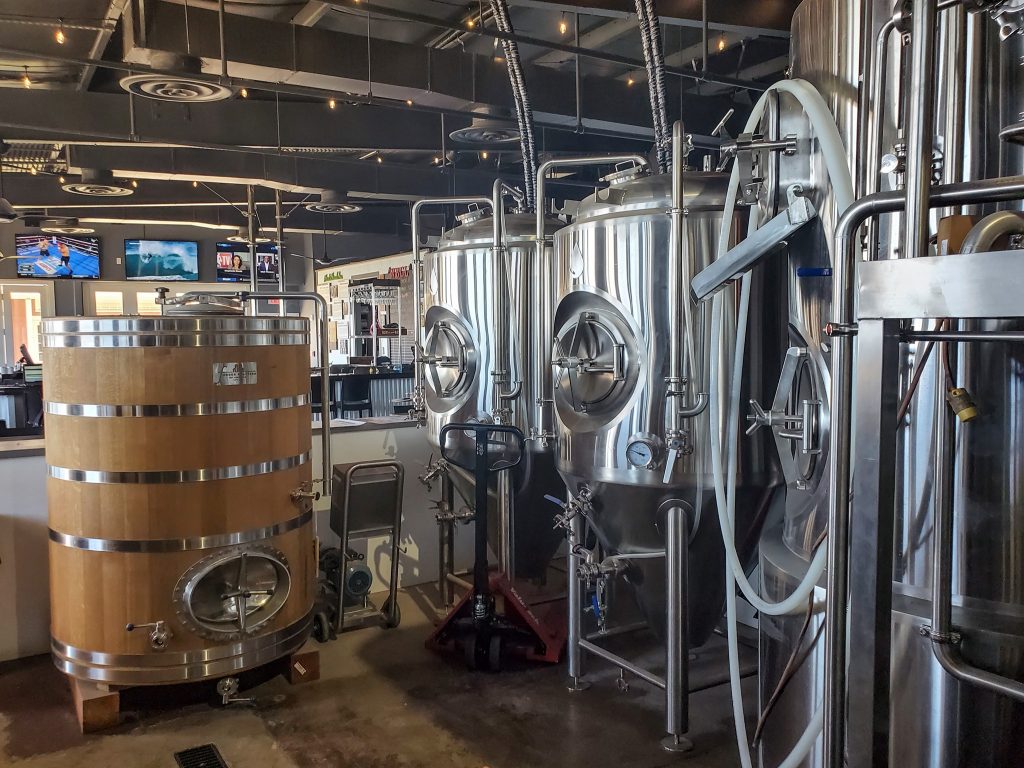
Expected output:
(174, 446)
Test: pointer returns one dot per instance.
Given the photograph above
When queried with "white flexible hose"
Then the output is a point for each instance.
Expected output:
(831, 145)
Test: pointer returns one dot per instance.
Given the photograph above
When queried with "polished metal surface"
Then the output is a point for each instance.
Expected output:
(611, 327)
(92, 410)
(207, 331)
(178, 340)
(179, 667)
(178, 475)
(183, 544)
(463, 354)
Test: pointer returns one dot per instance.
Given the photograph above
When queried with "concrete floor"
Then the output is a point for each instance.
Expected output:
(382, 700)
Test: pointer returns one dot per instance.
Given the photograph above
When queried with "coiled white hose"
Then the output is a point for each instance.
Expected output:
(834, 153)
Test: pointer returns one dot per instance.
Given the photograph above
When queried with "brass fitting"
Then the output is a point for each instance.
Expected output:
(963, 405)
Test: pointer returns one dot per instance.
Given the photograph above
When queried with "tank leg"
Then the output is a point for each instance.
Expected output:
(575, 588)
(677, 683)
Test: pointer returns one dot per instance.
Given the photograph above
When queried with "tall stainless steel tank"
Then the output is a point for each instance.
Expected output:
(470, 300)
(935, 721)
(612, 327)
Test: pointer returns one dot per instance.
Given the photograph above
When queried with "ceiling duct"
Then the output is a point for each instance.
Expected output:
(333, 202)
(178, 87)
(486, 129)
(97, 183)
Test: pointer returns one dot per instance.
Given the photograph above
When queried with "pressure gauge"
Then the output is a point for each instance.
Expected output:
(641, 453)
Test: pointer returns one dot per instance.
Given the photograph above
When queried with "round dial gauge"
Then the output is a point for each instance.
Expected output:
(640, 453)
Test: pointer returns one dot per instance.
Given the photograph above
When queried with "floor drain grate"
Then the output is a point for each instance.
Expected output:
(205, 756)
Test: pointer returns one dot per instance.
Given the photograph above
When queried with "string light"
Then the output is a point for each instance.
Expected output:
(483, 155)
(408, 102)
(563, 25)
(332, 103)
(33, 170)
(721, 44)
(135, 183)
(59, 35)
(630, 80)
(195, 184)
(26, 80)
(380, 159)
(244, 93)
(61, 179)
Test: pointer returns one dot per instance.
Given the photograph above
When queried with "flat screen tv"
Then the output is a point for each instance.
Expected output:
(58, 256)
(233, 263)
(161, 260)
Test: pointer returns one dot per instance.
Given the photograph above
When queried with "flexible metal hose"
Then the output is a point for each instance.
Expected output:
(654, 60)
(524, 112)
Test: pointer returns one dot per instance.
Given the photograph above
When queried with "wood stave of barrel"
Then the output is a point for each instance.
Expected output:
(161, 478)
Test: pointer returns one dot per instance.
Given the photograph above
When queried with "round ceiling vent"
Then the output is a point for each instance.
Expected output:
(486, 130)
(64, 227)
(177, 87)
(242, 236)
(97, 184)
(333, 202)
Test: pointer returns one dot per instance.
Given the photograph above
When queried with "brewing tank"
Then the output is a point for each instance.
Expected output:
(484, 316)
(174, 446)
(612, 327)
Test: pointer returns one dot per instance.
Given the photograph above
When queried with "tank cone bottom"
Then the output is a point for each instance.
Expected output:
(677, 744)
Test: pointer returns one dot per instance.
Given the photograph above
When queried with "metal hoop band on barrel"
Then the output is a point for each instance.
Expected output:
(181, 545)
(180, 340)
(176, 409)
(161, 476)
(171, 667)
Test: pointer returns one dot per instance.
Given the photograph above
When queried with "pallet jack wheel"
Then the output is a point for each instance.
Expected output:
(469, 650)
(494, 653)
(321, 628)
(386, 611)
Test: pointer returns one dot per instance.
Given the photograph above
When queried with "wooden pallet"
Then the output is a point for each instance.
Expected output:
(98, 705)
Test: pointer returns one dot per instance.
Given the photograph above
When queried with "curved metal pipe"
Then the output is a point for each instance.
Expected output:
(503, 318)
(985, 233)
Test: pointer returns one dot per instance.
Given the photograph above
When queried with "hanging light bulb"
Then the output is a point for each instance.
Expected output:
(332, 103)
(630, 80)
(244, 93)
(61, 180)
(721, 44)
(135, 183)
(483, 155)
(26, 80)
(33, 170)
(59, 35)
(195, 184)
(380, 159)
(408, 102)
(470, 23)
(563, 25)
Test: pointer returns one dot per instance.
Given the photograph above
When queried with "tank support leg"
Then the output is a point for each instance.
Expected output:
(677, 683)
(575, 589)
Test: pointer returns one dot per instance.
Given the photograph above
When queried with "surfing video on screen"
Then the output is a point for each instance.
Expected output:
(233, 263)
(161, 259)
(58, 256)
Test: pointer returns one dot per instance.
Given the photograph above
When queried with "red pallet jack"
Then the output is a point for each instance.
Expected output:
(494, 619)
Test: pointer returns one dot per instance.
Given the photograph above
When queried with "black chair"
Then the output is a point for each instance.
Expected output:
(355, 395)
(316, 401)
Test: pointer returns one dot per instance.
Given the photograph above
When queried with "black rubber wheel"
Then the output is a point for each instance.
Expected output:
(469, 651)
(386, 611)
(321, 628)
(494, 653)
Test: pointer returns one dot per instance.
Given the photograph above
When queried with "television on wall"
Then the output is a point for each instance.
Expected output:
(233, 263)
(58, 256)
(161, 259)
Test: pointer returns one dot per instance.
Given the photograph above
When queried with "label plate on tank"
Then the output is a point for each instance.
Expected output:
(231, 374)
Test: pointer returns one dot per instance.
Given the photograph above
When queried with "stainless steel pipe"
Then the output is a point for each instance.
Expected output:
(677, 667)
(621, 663)
(841, 328)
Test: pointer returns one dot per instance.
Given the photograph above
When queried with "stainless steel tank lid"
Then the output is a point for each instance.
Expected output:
(702, 192)
(204, 305)
(622, 175)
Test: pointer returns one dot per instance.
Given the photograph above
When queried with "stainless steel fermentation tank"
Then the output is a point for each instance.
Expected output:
(612, 328)
(487, 359)
(936, 721)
